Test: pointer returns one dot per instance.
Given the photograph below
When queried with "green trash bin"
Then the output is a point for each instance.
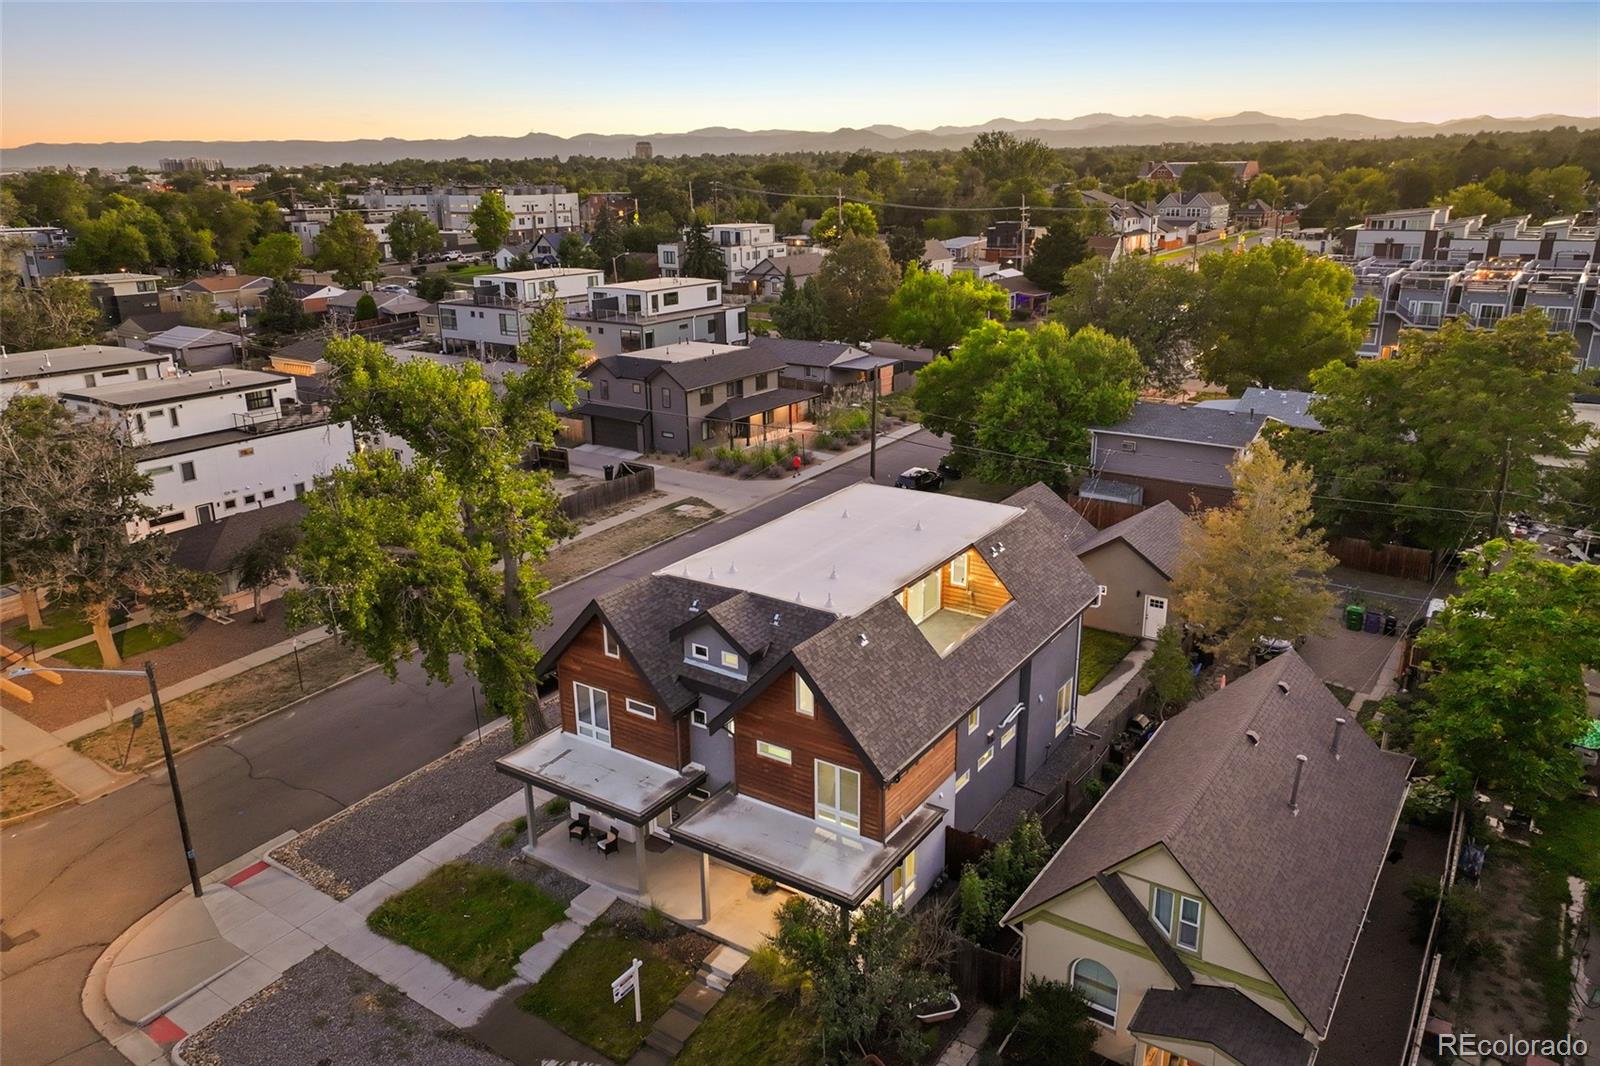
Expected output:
(1354, 615)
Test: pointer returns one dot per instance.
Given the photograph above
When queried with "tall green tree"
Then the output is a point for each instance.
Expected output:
(1275, 313)
(281, 311)
(348, 249)
(1558, 189)
(906, 246)
(277, 256)
(572, 252)
(433, 287)
(1058, 251)
(1035, 416)
(1171, 675)
(1053, 1025)
(700, 258)
(933, 310)
(366, 308)
(854, 285)
(125, 235)
(58, 313)
(1477, 199)
(264, 562)
(491, 222)
(1256, 567)
(1001, 156)
(1155, 308)
(70, 493)
(858, 220)
(798, 314)
(607, 243)
(439, 552)
(411, 235)
(1412, 447)
(1508, 699)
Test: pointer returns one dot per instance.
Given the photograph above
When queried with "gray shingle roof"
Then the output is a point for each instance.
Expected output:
(1198, 425)
(804, 353)
(1156, 533)
(180, 337)
(724, 366)
(1224, 1018)
(745, 406)
(1288, 406)
(1040, 496)
(210, 547)
(1293, 884)
(1181, 469)
(897, 695)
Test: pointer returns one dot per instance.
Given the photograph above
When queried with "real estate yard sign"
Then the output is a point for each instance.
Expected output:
(629, 982)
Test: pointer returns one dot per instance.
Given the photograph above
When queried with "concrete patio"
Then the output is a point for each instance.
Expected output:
(739, 916)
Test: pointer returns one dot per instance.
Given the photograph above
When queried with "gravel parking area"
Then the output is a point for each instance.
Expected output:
(516, 865)
(329, 1010)
(358, 845)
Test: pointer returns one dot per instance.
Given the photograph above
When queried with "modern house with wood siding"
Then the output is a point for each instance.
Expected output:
(821, 699)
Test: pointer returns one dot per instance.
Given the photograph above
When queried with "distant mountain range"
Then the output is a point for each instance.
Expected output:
(1097, 130)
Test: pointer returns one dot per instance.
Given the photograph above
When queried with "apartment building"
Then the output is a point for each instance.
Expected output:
(533, 207)
(1422, 294)
(1209, 906)
(217, 441)
(1427, 233)
(677, 397)
(56, 370)
(821, 699)
(632, 315)
(35, 252)
(492, 319)
(741, 244)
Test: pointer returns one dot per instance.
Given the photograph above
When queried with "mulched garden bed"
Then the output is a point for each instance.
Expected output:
(358, 845)
(327, 1009)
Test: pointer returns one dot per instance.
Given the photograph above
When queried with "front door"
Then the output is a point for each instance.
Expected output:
(205, 513)
(1155, 616)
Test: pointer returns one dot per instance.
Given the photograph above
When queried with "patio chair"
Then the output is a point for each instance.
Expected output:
(578, 828)
(608, 843)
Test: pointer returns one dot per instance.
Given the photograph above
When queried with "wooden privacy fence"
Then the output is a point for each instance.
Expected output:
(979, 973)
(632, 479)
(1392, 560)
(1103, 513)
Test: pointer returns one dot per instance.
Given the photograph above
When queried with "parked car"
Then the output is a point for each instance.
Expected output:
(920, 478)
(948, 468)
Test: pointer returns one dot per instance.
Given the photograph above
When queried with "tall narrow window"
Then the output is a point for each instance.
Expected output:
(1188, 936)
(805, 701)
(608, 642)
(958, 571)
(838, 796)
(903, 882)
(592, 707)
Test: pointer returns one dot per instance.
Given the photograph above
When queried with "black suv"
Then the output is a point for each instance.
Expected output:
(920, 478)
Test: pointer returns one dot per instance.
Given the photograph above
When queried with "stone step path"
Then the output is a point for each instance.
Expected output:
(674, 1028)
(588, 905)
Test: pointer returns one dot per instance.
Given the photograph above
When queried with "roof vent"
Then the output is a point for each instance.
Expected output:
(775, 617)
(829, 601)
(732, 569)
(711, 573)
(1294, 792)
(918, 527)
(861, 640)
(694, 605)
(1283, 687)
(845, 513)
(833, 574)
(1252, 736)
(1338, 728)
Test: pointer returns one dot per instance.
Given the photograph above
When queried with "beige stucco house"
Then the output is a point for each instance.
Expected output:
(1209, 905)
(1133, 562)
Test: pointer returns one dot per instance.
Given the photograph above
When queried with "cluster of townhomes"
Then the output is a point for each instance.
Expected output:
(834, 700)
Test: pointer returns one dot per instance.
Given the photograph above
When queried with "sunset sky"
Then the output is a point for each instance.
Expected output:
(228, 71)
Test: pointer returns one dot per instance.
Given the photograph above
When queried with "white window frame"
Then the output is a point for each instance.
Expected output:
(765, 749)
(1185, 924)
(959, 571)
(962, 779)
(1008, 736)
(643, 710)
(591, 729)
(697, 717)
(987, 757)
(1097, 1010)
(835, 814)
(805, 701)
(723, 660)
(903, 879)
(700, 652)
(1156, 894)
(1064, 704)
(608, 642)
(974, 719)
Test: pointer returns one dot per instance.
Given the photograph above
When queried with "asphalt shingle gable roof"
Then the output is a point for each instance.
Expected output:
(1040, 496)
(1199, 425)
(804, 353)
(1292, 884)
(724, 366)
(1225, 1018)
(1156, 533)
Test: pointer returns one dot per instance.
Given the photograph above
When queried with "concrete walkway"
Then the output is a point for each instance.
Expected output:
(1091, 704)
(20, 739)
(192, 960)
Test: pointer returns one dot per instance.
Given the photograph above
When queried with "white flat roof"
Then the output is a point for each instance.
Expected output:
(653, 284)
(845, 552)
(683, 351)
(139, 393)
(538, 275)
(114, 277)
(599, 774)
(16, 366)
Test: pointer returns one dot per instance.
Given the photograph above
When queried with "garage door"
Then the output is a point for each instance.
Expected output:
(613, 433)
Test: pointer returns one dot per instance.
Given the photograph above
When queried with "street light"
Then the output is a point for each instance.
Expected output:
(149, 674)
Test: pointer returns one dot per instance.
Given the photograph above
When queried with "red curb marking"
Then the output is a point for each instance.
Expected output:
(245, 874)
(164, 1031)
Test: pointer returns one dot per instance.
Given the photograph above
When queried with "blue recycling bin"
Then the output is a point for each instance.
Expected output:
(1374, 622)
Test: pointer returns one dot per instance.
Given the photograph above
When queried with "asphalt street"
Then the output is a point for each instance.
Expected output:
(72, 881)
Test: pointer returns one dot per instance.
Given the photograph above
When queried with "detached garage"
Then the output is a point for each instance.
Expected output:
(1133, 562)
(612, 426)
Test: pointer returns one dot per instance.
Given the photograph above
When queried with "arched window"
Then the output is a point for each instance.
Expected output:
(1099, 986)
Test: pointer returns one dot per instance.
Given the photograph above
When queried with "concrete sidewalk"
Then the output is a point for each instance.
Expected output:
(1091, 704)
(21, 739)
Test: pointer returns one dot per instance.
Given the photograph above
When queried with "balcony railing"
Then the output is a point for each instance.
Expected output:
(276, 421)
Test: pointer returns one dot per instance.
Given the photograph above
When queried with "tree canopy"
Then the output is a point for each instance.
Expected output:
(491, 222)
(933, 310)
(700, 258)
(1157, 309)
(277, 256)
(58, 313)
(854, 285)
(798, 313)
(348, 249)
(858, 221)
(411, 235)
(1058, 251)
(1255, 568)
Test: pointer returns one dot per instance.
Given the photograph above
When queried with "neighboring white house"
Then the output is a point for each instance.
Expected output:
(1208, 209)
(535, 207)
(55, 370)
(307, 230)
(938, 258)
(631, 315)
(217, 441)
(742, 244)
(492, 319)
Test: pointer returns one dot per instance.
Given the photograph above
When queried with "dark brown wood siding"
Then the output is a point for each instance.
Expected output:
(983, 594)
(920, 780)
(771, 717)
(585, 661)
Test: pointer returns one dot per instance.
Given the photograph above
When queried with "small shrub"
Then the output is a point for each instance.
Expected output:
(823, 441)
(771, 971)
(1093, 789)
(655, 922)
(762, 886)
(552, 806)
(1429, 802)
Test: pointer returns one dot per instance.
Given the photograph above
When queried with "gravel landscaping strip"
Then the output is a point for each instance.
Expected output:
(518, 866)
(355, 847)
(327, 1009)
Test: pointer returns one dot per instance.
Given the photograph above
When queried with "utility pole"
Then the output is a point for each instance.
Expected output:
(691, 196)
(839, 192)
(1022, 237)
(1500, 490)
(872, 449)
(172, 776)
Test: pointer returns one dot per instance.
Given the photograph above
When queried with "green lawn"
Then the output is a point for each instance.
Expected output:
(135, 640)
(575, 995)
(469, 272)
(61, 624)
(752, 1024)
(1101, 651)
(972, 488)
(475, 920)
(1565, 848)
